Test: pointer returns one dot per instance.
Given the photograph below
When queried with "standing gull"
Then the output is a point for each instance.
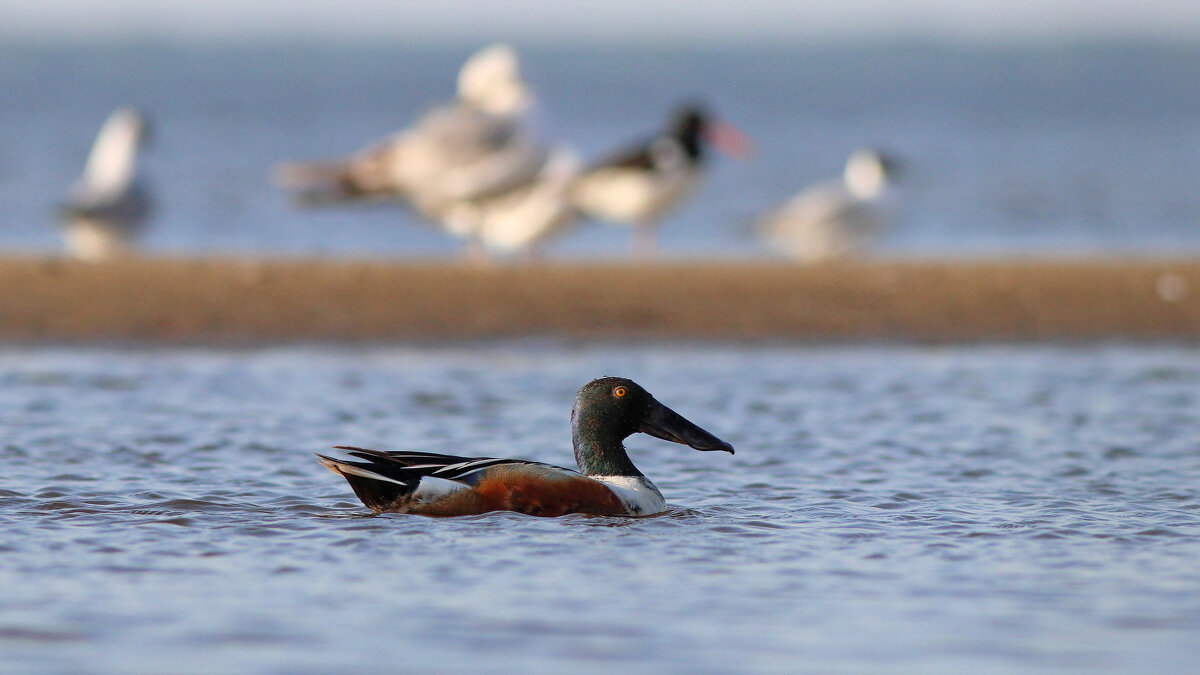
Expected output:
(106, 209)
(834, 219)
(639, 185)
(478, 146)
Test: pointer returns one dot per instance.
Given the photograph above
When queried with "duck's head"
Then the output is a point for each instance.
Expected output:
(693, 125)
(610, 409)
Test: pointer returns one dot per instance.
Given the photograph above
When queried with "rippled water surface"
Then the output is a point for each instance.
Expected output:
(888, 509)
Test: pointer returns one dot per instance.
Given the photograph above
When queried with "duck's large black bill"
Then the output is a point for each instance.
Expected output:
(662, 422)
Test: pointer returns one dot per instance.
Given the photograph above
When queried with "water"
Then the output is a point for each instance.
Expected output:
(890, 509)
(1051, 151)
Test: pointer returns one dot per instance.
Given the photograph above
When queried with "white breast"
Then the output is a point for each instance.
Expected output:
(639, 494)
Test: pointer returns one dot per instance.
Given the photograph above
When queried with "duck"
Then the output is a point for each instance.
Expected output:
(606, 411)
(477, 146)
(836, 218)
(639, 185)
(106, 209)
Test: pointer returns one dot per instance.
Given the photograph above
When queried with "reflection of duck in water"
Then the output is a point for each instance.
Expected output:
(106, 209)
(834, 219)
(606, 412)
(639, 185)
(478, 146)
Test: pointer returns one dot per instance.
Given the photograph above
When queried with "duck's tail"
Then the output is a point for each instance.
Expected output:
(381, 486)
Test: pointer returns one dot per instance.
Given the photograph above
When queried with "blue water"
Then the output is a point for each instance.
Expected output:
(1054, 151)
(889, 509)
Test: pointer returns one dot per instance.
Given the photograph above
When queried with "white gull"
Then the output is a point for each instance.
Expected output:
(836, 218)
(106, 209)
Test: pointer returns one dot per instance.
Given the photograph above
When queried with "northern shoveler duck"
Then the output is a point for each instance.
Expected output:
(834, 219)
(106, 209)
(606, 411)
(639, 185)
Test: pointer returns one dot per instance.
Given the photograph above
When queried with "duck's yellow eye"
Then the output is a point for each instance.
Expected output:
(618, 391)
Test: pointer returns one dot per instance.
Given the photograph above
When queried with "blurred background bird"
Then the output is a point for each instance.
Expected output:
(639, 185)
(836, 218)
(453, 162)
(520, 220)
(106, 209)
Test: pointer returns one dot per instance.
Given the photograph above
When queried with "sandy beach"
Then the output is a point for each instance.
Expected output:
(230, 301)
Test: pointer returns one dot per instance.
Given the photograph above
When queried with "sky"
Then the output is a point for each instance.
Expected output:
(599, 21)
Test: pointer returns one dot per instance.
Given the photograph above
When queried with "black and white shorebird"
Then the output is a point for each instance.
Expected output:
(836, 218)
(480, 146)
(106, 209)
(640, 185)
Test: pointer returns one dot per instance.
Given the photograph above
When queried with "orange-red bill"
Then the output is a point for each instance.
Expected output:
(729, 140)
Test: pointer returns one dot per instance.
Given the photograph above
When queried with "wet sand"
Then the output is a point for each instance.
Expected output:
(230, 301)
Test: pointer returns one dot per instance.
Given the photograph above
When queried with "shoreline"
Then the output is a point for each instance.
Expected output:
(239, 301)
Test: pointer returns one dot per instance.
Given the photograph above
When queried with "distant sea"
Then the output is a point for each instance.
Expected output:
(1007, 152)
